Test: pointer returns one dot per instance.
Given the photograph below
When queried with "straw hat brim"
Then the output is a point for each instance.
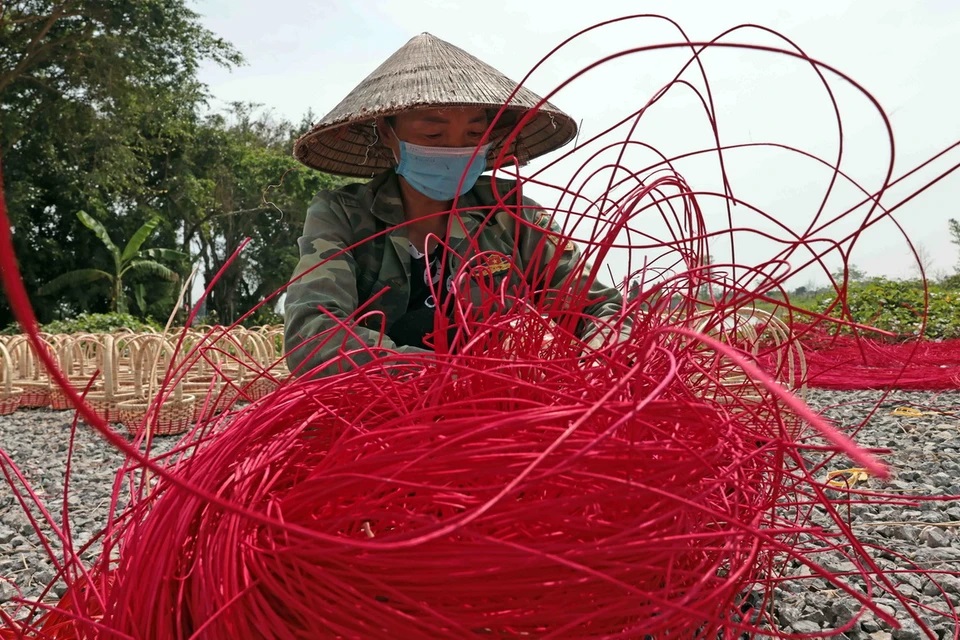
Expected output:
(428, 73)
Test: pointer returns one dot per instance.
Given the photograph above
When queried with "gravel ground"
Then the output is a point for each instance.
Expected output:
(922, 431)
(924, 437)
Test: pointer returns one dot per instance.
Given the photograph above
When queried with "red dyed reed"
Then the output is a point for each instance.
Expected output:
(846, 361)
(505, 487)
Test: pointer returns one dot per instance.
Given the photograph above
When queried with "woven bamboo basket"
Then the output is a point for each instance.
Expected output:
(77, 369)
(59, 401)
(29, 373)
(260, 387)
(200, 380)
(755, 331)
(172, 415)
(234, 361)
(167, 412)
(207, 396)
(211, 354)
(9, 394)
(273, 339)
(127, 345)
(36, 394)
(222, 393)
(100, 353)
(210, 370)
(229, 364)
(260, 360)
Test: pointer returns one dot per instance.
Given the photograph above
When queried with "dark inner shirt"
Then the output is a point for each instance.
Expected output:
(418, 321)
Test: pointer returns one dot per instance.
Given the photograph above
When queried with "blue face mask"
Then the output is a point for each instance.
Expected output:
(437, 171)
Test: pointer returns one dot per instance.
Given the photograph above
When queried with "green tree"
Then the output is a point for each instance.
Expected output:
(238, 180)
(132, 260)
(97, 99)
(955, 239)
(851, 272)
(101, 111)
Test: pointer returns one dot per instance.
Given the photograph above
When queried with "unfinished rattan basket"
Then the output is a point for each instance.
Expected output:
(99, 353)
(208, 375)
(9, 394)
(754, 331)
(155, 409)
(166, 416)
(256, 378)
(28, 371)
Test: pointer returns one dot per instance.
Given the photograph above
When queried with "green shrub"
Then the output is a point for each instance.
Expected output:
(896, 306)
(264, 316)
(950, 282)
(100, 323)
(10, 330)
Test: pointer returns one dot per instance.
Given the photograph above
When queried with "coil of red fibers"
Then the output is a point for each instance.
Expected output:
(497, 500)
(510, 485)
(403, 518)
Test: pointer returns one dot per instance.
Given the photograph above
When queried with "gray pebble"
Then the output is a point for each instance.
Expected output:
(948, 584)
(934, 537)
(868, 623)
(908, 631)
(805, 626)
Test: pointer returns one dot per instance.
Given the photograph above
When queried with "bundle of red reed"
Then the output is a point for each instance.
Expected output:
(518, 481)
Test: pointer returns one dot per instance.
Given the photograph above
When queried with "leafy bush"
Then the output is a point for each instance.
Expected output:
(897, 306)
(264, 316)
(10, 330)
(100, 323)
(950, 282)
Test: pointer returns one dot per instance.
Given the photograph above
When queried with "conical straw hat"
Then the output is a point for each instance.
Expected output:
(426, 72)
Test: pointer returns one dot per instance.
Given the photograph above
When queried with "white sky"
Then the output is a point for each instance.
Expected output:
(303, 56)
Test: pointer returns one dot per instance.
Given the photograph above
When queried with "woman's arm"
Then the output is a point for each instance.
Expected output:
(321, 301)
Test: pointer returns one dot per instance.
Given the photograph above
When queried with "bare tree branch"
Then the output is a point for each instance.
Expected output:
(220, 214)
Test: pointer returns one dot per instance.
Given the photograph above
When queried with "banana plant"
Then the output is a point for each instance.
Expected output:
(131, 260)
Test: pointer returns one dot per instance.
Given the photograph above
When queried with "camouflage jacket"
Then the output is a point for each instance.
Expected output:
(341, 266)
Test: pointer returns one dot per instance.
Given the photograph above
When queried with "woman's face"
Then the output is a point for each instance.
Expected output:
(447, 127)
